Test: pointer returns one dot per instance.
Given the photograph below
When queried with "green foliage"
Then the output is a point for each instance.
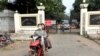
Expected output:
(2, 4)
(76, 5)
(54, 8)
(93, 6)
(26, 6)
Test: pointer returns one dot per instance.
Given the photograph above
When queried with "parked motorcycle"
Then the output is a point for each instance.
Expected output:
(37, 46)
(3, 41)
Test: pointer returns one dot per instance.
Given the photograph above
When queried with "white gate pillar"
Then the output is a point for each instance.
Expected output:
(83, 17)
(16, 21)
(41, 13)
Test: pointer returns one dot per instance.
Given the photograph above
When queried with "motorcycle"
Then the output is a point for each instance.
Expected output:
(37, 46)
(3, 41)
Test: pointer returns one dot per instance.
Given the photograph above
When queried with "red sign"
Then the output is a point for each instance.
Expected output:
(48, 22)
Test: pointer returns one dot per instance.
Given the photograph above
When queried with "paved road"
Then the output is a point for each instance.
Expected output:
(63, 45)
(73, 45)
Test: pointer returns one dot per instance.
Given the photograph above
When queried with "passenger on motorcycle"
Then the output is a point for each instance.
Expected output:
(41, 31)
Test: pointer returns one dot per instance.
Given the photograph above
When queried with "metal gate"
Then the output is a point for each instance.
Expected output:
(58, 29)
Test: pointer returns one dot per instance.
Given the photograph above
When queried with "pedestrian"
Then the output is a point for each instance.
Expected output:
(62, 28)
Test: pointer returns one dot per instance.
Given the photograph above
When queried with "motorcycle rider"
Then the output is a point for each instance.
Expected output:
(41, 31)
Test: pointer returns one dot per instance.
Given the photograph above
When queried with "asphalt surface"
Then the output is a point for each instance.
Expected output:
(62, 45)
(73, 45)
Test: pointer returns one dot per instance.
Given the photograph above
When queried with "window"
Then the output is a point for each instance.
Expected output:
(95, 19)
(28, 21)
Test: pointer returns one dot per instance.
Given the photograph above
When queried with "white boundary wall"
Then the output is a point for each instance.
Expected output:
(40, 18)
(17, 20)
(86, 28)
(92, 29)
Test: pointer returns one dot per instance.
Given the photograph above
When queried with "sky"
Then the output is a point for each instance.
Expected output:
(68, 4)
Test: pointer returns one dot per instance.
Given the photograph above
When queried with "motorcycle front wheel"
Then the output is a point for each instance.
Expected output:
(32, 53)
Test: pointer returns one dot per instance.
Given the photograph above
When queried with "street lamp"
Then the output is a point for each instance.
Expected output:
(41, 7)
(10, 1)
(84, 5)
(84, 1)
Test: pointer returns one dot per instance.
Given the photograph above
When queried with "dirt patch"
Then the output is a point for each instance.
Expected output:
(15, 45)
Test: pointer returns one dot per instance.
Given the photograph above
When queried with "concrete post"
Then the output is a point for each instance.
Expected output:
(41, 13)
(83, 17)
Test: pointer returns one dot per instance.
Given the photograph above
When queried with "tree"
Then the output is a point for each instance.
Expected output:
(6, 4)
(2, 4)
(93, 5)
(54, 8)
(26, 6)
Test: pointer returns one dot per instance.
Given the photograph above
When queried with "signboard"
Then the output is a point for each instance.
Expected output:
(48, 22)
(53, 21)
